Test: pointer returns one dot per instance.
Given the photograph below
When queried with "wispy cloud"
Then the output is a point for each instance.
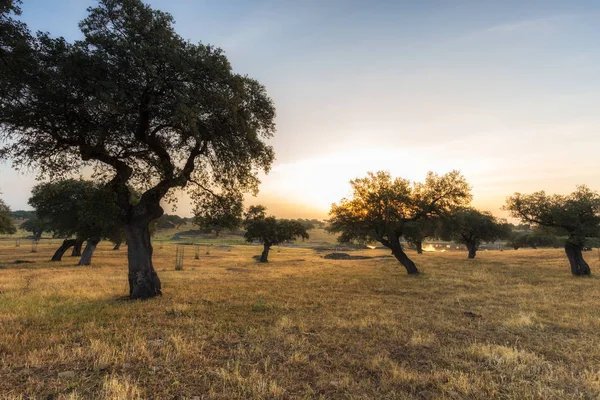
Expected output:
(533, 24)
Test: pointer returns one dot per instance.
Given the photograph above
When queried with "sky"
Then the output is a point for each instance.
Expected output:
(507, 92)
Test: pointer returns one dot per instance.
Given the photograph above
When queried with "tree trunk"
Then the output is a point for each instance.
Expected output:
(143, 280)
(406, 262)
(77, 248)
(472, 247)
(265, 254)
(62, 249)
(117, 245)
(88, 252)
(419, 245)
(578, 265)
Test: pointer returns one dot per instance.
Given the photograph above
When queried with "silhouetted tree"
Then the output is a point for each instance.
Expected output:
(472, 227)
(576, 215)
(270, 231)
(381, 207)
(144, 107)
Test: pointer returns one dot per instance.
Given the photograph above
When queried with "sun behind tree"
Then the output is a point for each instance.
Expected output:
(381, 207)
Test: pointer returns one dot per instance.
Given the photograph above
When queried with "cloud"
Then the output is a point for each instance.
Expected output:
(528, 25)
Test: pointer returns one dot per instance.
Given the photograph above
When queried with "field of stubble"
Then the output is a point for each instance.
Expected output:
(510, 324)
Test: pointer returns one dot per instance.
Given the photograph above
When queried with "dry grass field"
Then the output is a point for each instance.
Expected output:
(507, 325)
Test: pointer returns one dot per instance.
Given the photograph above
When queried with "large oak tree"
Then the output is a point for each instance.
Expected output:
(144, 107)
(576, 215)
(381, 207)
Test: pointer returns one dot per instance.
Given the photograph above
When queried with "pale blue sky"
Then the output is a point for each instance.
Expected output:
(505, 91)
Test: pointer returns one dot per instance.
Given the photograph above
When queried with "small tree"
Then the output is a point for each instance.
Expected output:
(35, 225)
(144, 107)
(472, 227)
(219, 212)
(270, 231)
(576, 215)
(381, 207)
(7, 225)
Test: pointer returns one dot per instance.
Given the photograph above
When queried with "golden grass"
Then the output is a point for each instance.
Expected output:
(512, 324)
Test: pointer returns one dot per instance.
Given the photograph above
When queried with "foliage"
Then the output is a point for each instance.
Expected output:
(309, 223)
(536, 238)
(270, 231)
(6, 222)
(22, 214)
(473, 227)
(381, 207)
(219, 212)
(76, 208)
(576, 215)
(415, 232)
(137, 101)
(15, 42)
(35, 225)
(147, 109)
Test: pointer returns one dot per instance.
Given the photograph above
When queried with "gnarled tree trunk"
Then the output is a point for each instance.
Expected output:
(265, 254)
(472, 247)
(419, 246)
(406, 262)
(143, 280)
(77, 248)
(117, 245)
(88, 252)
(62, 249)
(578, 265)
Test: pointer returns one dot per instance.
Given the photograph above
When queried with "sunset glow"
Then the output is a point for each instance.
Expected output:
(505, 92)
